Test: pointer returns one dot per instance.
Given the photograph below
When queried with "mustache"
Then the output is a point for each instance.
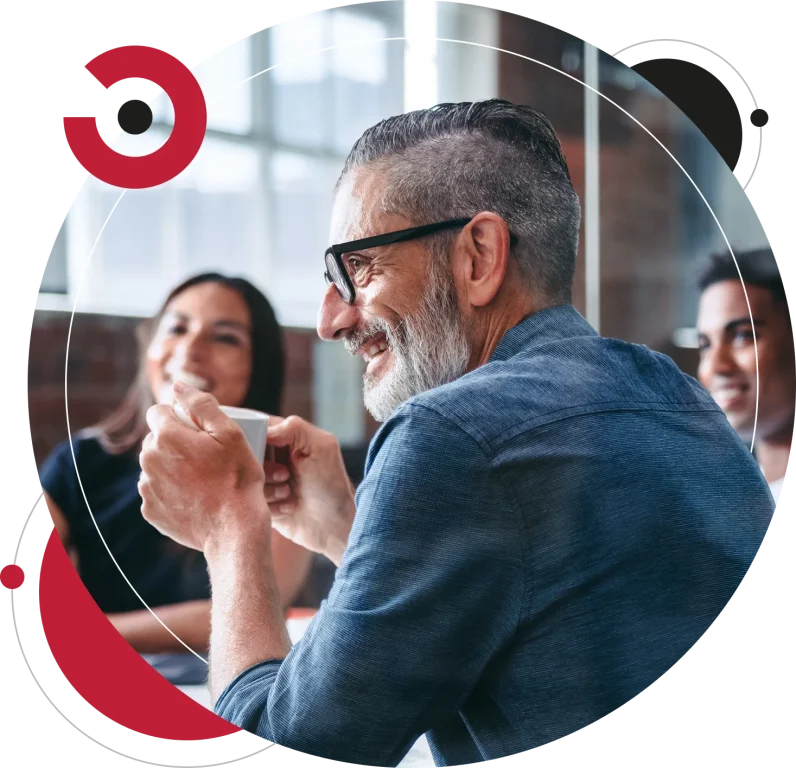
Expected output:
(365, 332)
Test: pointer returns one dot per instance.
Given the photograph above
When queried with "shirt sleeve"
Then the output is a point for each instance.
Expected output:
(429, 590)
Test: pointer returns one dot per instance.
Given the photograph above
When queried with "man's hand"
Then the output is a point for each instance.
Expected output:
(204, 486)
(311, 500)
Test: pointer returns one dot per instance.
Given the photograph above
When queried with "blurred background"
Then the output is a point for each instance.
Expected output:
(284, 107)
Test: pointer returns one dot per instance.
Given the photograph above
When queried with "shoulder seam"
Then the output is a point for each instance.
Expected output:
(538, 421)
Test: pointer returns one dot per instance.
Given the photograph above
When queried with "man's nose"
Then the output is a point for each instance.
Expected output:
(721, 361)
(336, 318)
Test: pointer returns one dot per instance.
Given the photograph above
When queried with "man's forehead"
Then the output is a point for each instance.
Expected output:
(356, 210)
(726, 301)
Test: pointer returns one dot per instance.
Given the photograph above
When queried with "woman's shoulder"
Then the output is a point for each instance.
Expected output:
(85, 450)
(83, 445)
(94, 464)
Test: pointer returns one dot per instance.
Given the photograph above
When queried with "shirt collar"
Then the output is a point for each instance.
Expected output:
(551, 324)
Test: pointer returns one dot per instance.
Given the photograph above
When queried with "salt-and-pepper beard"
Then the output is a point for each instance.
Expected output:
(429, 348)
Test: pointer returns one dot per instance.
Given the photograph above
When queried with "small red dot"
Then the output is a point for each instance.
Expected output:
(12, 576)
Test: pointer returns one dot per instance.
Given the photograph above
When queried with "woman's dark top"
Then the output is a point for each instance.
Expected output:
(161, 571)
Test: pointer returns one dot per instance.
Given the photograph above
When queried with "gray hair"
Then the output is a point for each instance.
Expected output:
(456, 160)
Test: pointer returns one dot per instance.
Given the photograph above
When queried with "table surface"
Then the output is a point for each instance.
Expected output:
(419, 756)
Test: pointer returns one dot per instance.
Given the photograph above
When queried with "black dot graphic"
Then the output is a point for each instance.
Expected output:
(759, 117)
(132, 114)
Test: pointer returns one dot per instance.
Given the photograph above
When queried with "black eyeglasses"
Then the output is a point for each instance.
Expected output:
(338, 273)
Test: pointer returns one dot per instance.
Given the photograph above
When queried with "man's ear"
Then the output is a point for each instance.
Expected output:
(482, 258)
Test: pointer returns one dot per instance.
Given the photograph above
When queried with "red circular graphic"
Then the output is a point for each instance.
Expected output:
(190, 120)
(12, 576)
(136, 695)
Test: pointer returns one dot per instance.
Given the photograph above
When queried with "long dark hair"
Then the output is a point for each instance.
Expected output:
(124, 430)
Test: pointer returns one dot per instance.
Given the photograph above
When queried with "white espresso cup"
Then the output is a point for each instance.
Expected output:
(254, 425)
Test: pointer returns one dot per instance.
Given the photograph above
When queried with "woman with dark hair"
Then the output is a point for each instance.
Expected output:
(219, 334)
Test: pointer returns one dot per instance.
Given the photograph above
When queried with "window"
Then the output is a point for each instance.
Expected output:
(334, 75)
(228, 97)
(297, 113)
(54, 280)
(284, 107)
(333, 79)
(359, 72)
(256, 201)
(301, 210)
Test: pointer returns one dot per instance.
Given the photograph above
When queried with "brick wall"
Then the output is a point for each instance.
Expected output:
(102, 362)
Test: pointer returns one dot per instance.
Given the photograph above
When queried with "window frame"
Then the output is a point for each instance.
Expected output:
(72, 251)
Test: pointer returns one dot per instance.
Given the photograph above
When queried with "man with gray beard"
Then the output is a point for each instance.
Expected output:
(548, 519)
(429, 347)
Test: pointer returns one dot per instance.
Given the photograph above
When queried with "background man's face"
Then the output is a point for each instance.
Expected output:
(727, 366)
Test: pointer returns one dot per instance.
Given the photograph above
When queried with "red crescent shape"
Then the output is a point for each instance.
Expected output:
(104, 669)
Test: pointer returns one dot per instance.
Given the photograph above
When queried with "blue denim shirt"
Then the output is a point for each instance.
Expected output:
(534, 544)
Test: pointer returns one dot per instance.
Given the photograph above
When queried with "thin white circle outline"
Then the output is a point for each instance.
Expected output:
(381, 40)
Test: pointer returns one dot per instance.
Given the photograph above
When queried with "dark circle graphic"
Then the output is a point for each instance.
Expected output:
(759, 117)
(132, 114)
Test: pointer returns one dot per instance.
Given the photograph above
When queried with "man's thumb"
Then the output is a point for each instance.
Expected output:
(289, 432)
(201, 408)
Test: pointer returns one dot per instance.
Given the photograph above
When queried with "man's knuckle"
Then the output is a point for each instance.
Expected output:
(232, 434)
(203, 400)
